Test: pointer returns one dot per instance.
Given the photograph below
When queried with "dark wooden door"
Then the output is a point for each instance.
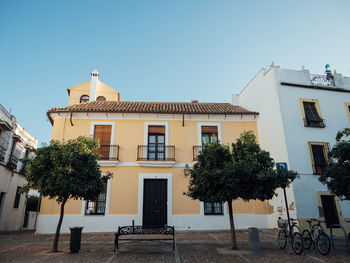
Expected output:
(329, 210)
(155, 202)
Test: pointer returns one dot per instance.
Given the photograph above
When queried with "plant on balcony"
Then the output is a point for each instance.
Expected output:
(246, 172)
(63, 171)
(336, 175)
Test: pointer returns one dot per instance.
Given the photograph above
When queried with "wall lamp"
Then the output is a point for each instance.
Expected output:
(187, 170)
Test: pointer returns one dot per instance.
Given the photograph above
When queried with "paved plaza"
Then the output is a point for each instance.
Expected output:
(196, 246)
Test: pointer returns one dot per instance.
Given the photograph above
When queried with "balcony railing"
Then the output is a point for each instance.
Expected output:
(315, 124)
(2, 153)
(321, 80)
(156, 153)
(13, 161)
(108, 152)
(197, 149)
(3, 148)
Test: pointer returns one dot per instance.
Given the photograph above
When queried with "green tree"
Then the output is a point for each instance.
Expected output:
(336, 175)
(246, 172)
(65, 170)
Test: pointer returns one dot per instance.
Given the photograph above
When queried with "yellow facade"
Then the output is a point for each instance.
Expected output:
(124, 184)
(104, 90)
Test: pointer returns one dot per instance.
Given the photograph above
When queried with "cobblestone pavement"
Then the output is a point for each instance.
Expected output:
(199, 246)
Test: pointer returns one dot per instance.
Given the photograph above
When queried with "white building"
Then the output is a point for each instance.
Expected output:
(15, 143)
(300, 115)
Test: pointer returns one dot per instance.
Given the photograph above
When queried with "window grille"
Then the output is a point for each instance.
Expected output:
(319, 157)
(213, 208)
(98, 206)
(17, 198)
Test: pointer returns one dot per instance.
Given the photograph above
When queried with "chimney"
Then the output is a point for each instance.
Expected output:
(93, 88)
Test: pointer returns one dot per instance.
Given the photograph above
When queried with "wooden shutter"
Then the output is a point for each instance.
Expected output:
(210, 130)
(318, 154)
(311, 113)
(156, 129)
(103, 133)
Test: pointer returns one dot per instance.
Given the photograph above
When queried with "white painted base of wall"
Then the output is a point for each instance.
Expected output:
(109, 223)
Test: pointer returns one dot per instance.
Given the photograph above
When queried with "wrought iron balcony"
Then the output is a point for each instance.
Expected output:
(108, 152)
(156, 152)
(197, 149)
(23, 169)
(3, 148)
(315, 124)
(13, 161)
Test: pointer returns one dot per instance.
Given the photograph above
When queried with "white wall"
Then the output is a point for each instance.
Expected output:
(333, 112)
(261, 95)
(11, 219)
(109, 223)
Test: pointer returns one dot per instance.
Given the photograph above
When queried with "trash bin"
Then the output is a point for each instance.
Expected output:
(253, 238)
(75, 238)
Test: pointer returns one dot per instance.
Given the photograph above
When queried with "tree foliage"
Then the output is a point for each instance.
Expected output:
(65, 170)
(337, 173)
(246, 172)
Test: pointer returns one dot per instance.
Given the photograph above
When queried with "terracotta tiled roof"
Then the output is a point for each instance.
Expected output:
(154, 107)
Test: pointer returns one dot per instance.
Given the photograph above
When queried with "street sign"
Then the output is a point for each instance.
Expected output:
(285, 168)
(282, 166)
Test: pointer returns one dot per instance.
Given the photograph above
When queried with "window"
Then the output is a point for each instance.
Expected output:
(156, 143)
(213, 208)
(312, 116)
(103, 133)
(2, 197)
(318, 156)
(98, 206)
(347, 109)
(3, 147)
(101, 98)
(84, 98)
(209, 134)
(17, 198)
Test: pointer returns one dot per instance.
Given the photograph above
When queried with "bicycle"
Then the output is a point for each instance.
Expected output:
(316, 236)
(288, 232)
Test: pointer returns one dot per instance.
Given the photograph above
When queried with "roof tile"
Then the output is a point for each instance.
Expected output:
(154, 107)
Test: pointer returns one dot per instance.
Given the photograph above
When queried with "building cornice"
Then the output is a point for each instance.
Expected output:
(311, 86)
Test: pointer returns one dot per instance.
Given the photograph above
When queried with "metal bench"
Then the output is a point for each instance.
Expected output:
(141, 230)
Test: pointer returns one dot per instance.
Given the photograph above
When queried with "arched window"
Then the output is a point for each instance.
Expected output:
(84, 98)
(101, 98)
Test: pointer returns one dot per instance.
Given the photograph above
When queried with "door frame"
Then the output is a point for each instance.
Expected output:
(337, 205)
(169, 178)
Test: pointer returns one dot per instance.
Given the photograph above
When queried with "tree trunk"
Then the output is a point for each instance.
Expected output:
(58, 229)
(232, 225)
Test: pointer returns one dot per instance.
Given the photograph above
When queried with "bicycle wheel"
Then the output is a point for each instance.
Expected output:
(297, 243)
(307, 240)
(282, 239)
(323, 244)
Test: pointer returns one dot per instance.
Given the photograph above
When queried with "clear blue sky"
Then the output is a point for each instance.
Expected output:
(158, 50)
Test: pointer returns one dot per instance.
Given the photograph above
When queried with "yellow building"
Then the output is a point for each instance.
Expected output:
(147, 145)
